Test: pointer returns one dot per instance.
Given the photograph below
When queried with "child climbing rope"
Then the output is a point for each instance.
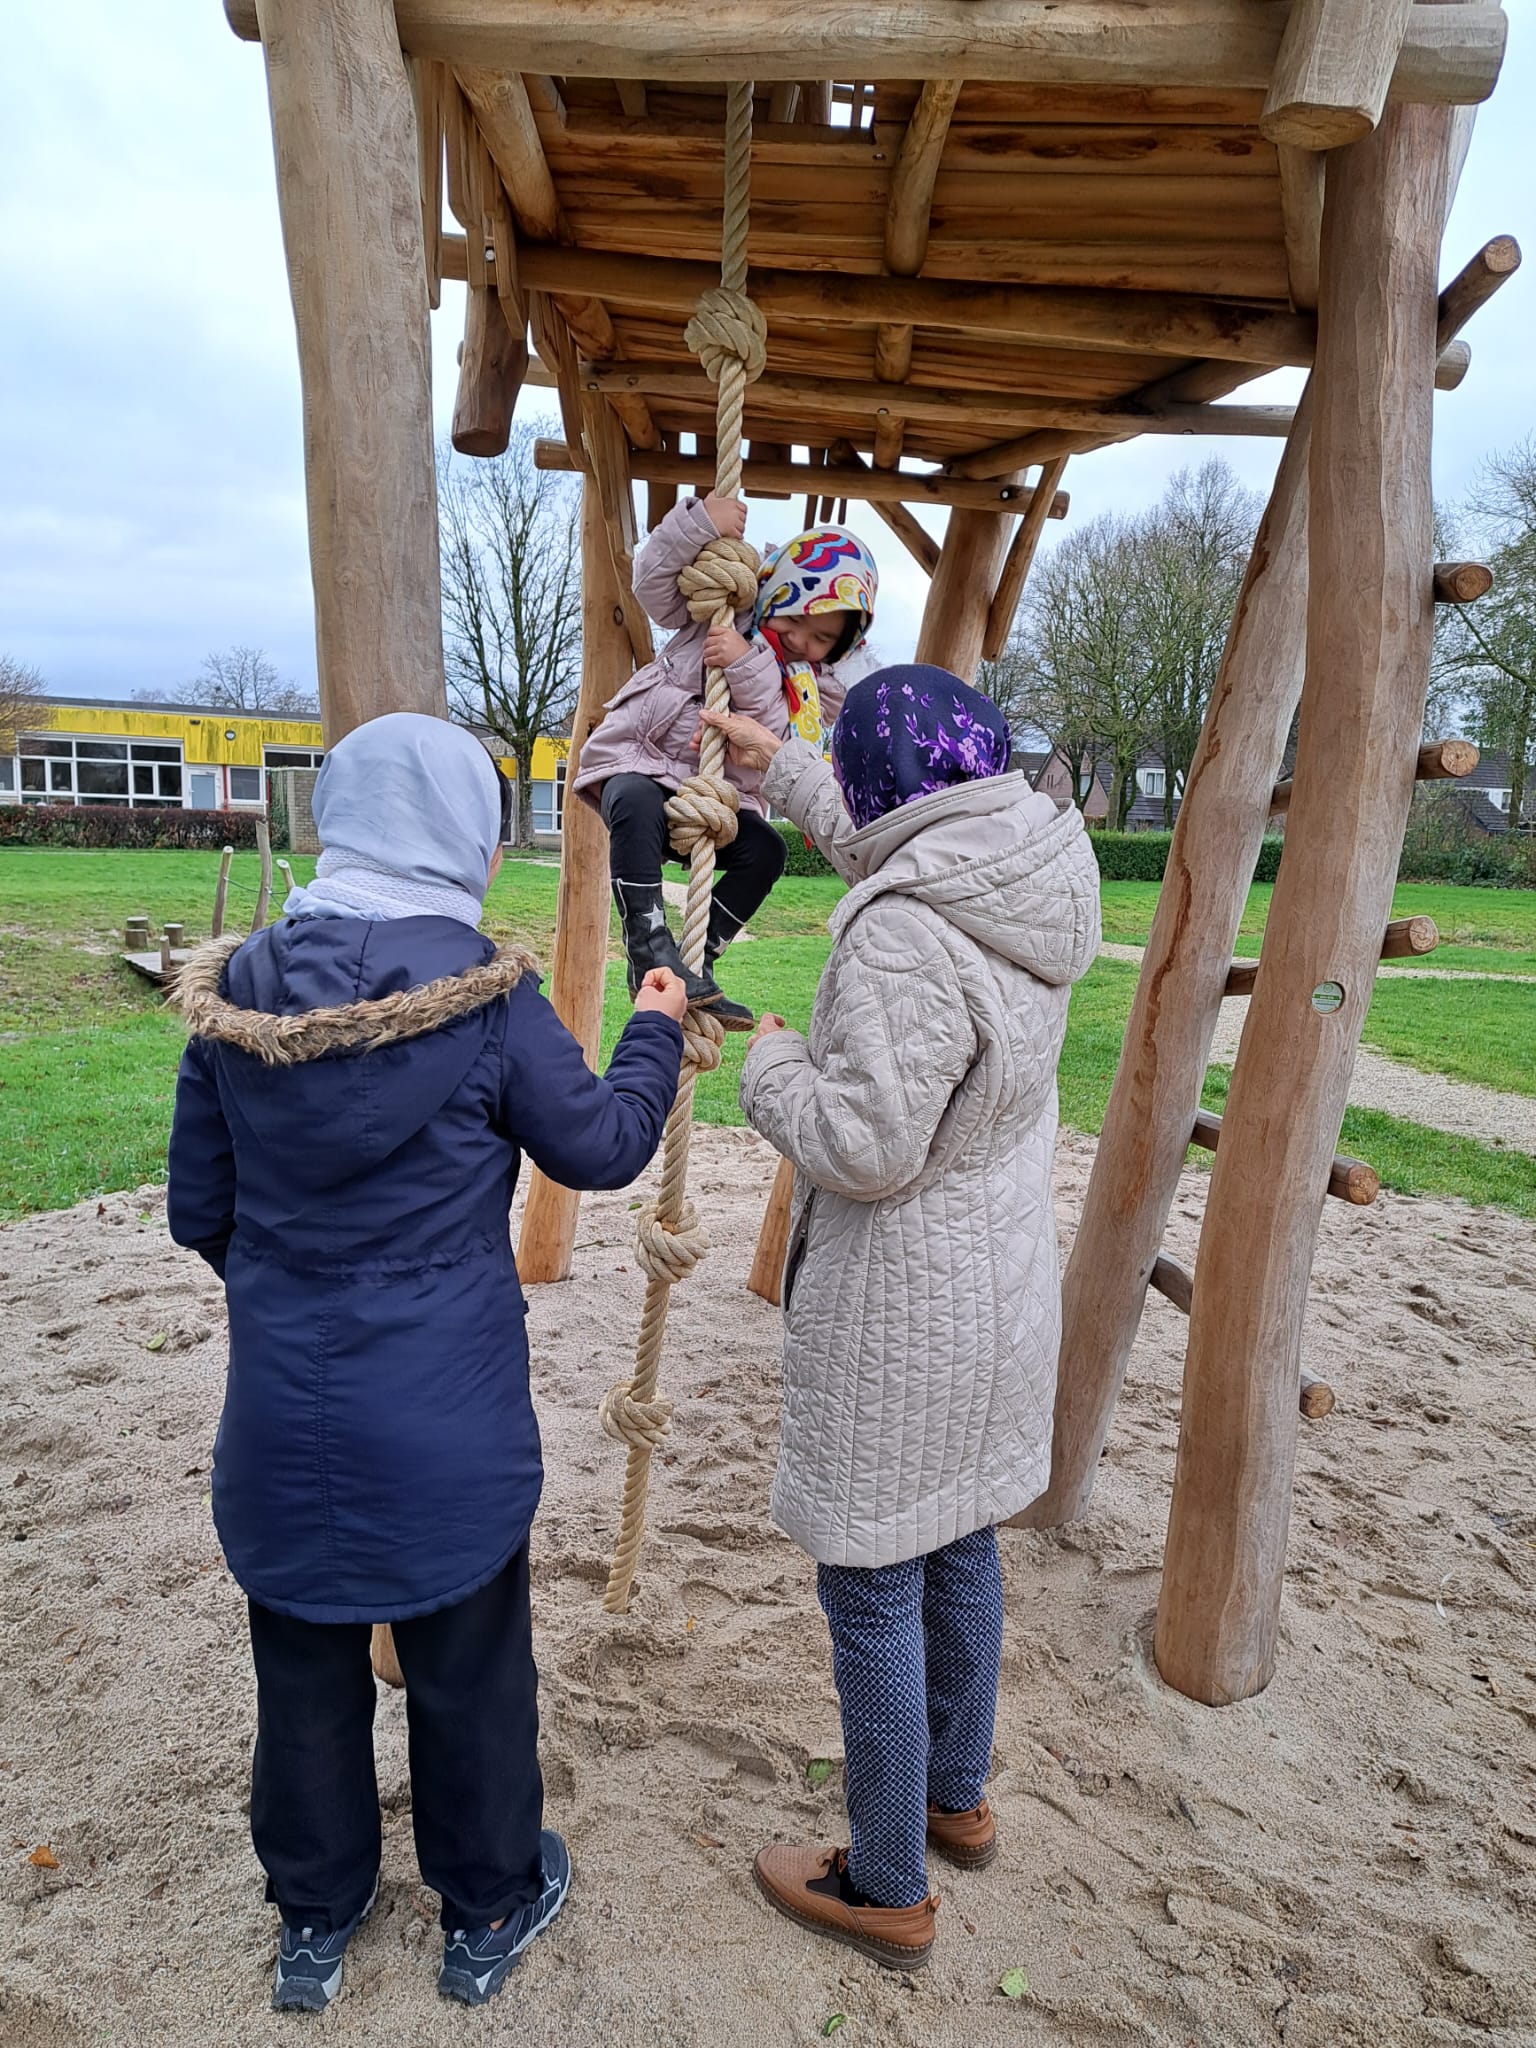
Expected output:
(351, 1114)
(785, 665)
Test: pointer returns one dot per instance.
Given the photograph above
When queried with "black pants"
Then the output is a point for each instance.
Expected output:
(635, 812)
(477, 1799)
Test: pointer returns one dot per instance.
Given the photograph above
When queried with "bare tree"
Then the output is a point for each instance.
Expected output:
(20, 688)
(1485, 653)
(239, 679)
(511, 601)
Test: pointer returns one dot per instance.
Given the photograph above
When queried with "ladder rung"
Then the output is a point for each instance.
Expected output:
(1440, 761)
(1406, 938)
(1175, 1282)
(1462, 582)
(1349, 1180)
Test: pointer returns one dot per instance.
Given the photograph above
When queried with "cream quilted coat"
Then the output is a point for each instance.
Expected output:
(922, 1294)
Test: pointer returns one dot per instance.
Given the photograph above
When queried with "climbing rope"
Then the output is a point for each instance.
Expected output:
(729, 336)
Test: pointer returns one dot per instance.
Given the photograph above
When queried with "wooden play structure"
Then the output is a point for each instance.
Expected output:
(982, 238)
(160, 963)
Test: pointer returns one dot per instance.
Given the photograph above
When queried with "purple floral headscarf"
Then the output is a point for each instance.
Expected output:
(905, 732)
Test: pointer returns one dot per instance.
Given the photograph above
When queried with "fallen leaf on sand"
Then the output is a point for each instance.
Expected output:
(43, 1858)
(157, 1342)
(1013, 1984)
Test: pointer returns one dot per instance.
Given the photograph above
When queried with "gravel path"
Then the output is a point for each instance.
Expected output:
(1462, 1108)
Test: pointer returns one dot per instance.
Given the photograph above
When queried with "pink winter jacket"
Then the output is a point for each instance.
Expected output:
(648, 729)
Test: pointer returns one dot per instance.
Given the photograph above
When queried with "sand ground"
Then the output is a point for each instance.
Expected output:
(1349, 1859)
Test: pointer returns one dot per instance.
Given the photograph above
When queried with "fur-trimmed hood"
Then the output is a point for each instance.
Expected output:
(360, 1026)
(338, 1039)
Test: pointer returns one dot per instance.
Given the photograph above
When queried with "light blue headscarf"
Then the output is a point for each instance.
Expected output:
(408, 810)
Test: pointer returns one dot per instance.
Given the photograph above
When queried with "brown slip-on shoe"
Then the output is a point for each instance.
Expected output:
(969, 1839)
(802, 1882)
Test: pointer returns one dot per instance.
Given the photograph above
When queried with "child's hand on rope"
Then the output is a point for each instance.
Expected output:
(729, 515)
(723, 645)
(748, 744)
(767, 1024)
(664, 991)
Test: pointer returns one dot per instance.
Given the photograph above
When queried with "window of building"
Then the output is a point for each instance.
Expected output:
(1499, 798)
(1151, 781)
(245, 786)
(92, 771)
(293, 757)
(8, 774)
(549, 803)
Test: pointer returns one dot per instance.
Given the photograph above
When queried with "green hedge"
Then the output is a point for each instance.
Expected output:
(802, 859)
(1505, 862)
(1143, 856)
(120, 825)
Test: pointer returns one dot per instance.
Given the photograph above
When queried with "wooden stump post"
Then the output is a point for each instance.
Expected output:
(581, 915)
(960, 595)
(1156, 1091)
(766, 1278)
(1369, 629)
(344, 135)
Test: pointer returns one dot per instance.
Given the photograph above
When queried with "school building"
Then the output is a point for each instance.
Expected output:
(102, 750)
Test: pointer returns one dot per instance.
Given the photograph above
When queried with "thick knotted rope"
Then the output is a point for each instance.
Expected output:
(729, 335)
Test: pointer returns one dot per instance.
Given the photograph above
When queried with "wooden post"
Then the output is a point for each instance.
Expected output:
(221, 894)
(264, 885)
(581, 914)
(1178, 997)
(960, 595)
(344, 134)
(1016, 565)
(767, 1275)
(1369, 629)
(491, 368)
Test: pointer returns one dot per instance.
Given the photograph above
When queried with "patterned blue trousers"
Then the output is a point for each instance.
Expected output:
(916, 1650)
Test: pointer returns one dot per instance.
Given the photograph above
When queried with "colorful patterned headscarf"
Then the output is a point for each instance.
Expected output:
(905, 732)
(825, 569)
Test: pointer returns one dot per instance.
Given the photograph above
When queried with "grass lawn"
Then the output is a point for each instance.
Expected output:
(88, 1053)
(1482, 931)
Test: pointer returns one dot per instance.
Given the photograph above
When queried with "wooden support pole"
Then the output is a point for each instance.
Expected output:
(828, 482)
(491, 366)
(581, 915)
(264, 885)
(1450, 53)
(1331, 77)
(344, 135)
(767, 1275)
(1439, 761)
(1167, 1044)
(1301, 210)
(1016, 563)
(1462, 582)
(960, 593)
(220, 896)
(1348, 1180)
(1369, 630)
(1474, 285)
(908, 529)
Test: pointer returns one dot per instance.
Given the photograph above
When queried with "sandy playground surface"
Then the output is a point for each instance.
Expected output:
(1349, 1859)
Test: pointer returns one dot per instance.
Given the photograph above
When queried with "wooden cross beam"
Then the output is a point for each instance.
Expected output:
(1333, 71)
(906, 223)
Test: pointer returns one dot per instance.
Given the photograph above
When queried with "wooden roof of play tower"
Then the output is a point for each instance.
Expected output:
(1111, 222)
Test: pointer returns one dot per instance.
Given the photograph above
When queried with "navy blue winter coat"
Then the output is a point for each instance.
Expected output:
(345, 1146)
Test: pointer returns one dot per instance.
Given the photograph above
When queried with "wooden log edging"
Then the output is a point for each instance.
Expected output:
(1349, 1180)
(1176, 1284)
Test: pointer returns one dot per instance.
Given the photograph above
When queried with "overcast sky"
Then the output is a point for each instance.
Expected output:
(151, 480)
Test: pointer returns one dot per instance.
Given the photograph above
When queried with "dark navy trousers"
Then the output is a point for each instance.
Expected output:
(477, 1797)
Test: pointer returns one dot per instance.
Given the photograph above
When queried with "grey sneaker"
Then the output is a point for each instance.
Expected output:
(309, 1965)
(476, 1961)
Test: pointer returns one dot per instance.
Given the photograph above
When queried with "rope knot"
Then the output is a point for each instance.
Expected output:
(704, 808)
(728, 327)
(722, 577)
(669, 1251)
(703, 1037)
(641, 1424)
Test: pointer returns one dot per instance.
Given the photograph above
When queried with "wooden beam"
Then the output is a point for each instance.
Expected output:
(1150, 323)
(1301, 209)
(1450, 54)
(1439, 761)
(608, 461)
(913, 179)
(548, 1234)
(491, 365)
(1462, 582)
(344, 136)
(1333, 71)
(1370, 629)
(1475, 284)
(1156, 1090)
(427, 86)
(1405, 938)
(1016, 564)
(1176, 1284)
(1317, 1397)
(766, 1279)
(836, 480)
(1452, 365)
(960, 592)
(1349, 1180)
(908, 529)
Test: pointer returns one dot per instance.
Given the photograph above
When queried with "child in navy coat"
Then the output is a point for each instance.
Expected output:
(361, 1084)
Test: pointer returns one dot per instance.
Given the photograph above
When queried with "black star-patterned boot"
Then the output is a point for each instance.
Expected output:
(723, 927)
(648, 943)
